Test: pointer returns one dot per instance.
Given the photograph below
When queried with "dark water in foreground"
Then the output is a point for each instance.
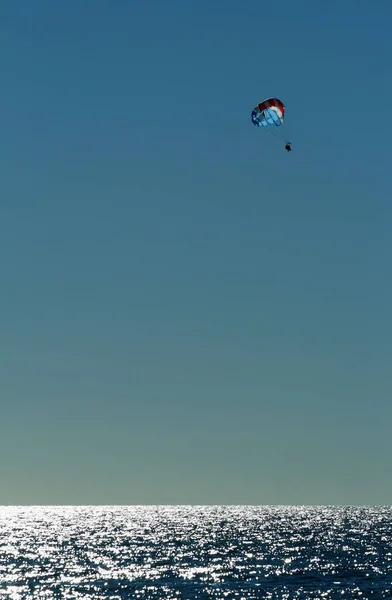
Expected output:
(186, 552)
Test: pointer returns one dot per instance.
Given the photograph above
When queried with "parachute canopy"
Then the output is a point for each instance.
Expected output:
(269, 112)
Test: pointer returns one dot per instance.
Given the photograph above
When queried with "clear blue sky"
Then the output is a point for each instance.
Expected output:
(189, 314)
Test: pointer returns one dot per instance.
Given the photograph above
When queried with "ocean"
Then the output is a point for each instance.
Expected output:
(195, 552)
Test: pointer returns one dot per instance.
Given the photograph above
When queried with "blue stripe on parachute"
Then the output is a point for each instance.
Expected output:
(265, 118)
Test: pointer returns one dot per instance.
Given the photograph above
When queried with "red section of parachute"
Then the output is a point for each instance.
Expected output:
(271, 102)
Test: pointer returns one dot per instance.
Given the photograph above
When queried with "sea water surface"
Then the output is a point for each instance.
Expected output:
(189, 552)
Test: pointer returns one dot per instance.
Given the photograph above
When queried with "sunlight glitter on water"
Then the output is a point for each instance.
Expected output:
(191, 552)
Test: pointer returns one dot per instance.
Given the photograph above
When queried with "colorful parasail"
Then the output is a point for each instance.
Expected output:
(268, 112)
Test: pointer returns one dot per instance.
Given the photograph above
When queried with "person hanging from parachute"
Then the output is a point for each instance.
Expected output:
(270, 113)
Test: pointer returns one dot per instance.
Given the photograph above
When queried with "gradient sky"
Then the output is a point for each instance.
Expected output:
(189, 314)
